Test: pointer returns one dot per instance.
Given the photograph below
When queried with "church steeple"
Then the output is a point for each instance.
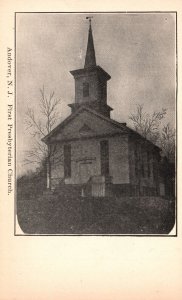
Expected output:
(91, 82)
(90, 60)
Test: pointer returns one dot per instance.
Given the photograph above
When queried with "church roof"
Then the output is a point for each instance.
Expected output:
(118, 125)
(88, 70)
(77, 112)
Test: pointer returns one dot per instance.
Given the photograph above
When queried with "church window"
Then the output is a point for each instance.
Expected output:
(148, 163)
(142, 167)
(85, 89)
(154, 168)
(104, 153)
(136, 163)
(67, 161)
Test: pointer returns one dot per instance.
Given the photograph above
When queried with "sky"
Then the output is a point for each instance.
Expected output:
(136, 49)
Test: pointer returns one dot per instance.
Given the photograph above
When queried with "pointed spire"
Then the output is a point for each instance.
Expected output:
(90, 60)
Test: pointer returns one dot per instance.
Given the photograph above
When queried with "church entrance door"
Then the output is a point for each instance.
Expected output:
(85, 171)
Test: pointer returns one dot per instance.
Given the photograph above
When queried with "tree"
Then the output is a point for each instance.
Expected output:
(149, 126)
(167, 142)
(39, 127)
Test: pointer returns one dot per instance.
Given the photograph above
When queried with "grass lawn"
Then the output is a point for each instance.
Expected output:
(70, 214)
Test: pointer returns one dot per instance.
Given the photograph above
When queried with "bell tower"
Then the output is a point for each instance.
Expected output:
(91, 82)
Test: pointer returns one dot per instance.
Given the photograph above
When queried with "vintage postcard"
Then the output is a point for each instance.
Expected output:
(90, 120)
(96, 125)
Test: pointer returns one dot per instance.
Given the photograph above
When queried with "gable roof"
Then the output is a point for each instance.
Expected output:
(118, 125)
(77, 112)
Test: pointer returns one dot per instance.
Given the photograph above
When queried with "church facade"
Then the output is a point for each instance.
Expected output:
(94, 152)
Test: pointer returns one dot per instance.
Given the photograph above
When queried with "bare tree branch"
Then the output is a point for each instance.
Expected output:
(145, 124)
(40, 126)
(148, 125)
(167, 141)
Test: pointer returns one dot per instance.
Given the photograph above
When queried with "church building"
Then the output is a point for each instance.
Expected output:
(92, 151)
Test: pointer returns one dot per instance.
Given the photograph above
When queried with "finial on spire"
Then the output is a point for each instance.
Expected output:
(90, 19)
(90, 60)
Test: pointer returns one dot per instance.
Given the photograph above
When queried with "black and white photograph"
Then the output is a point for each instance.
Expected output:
(96, 123)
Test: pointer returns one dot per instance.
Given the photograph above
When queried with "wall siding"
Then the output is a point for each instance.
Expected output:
(88, 151)
(145, 182)
(118, 160)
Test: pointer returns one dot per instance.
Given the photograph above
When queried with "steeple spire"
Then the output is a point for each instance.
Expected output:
(91, 82)
(90, 60)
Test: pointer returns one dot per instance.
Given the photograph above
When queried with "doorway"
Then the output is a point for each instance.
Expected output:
(85, 171)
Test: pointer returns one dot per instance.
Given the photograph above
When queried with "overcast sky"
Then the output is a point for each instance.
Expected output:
(137, 50)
